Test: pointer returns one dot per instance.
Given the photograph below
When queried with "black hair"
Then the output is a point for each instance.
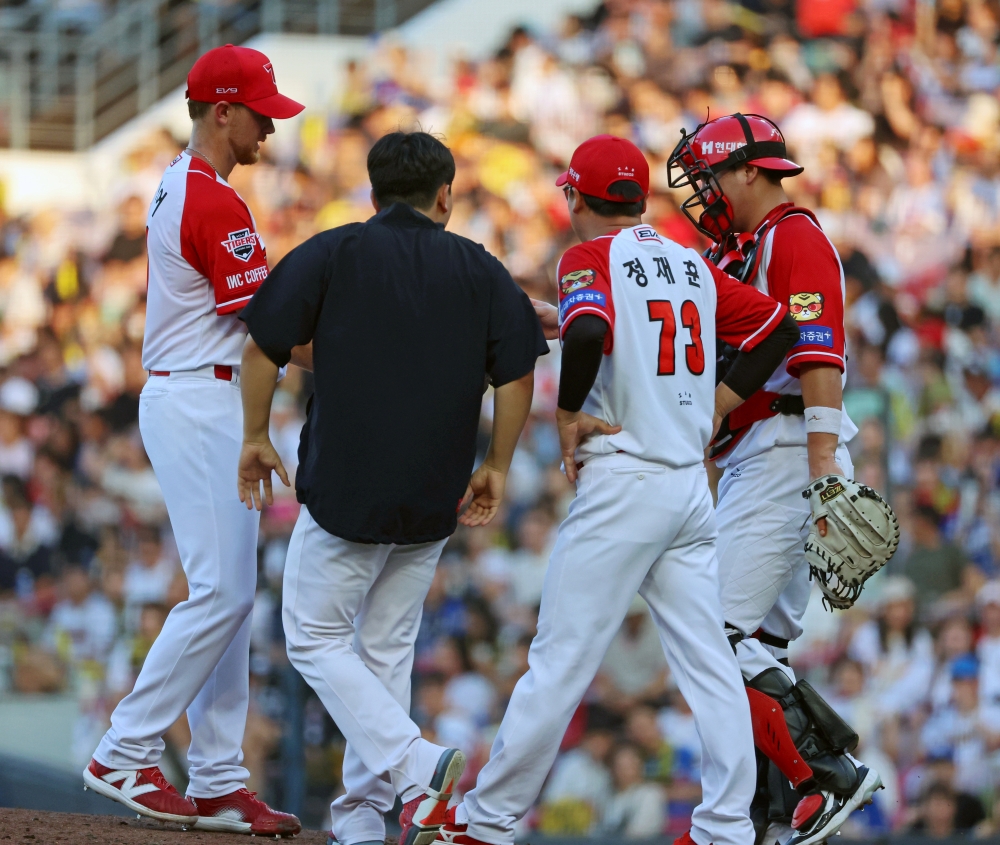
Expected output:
(197, 109)
(772, 176)
(633, 204)
(409, 167)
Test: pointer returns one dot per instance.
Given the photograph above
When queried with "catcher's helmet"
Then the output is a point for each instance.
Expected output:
(712, 149)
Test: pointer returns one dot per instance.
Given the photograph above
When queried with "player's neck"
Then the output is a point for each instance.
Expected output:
(764, 204)
(212, 148)
(597, 227)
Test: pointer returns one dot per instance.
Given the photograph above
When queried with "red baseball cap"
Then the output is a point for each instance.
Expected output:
(239, 75)
(602, 160)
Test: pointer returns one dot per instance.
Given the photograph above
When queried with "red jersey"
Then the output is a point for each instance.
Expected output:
(205, 262)
(799, 267)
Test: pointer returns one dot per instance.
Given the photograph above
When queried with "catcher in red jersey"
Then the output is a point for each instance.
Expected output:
(785, 503)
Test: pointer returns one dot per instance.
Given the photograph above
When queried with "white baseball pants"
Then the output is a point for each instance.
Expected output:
(763, 524)
(633, 526)
(192, 428)
(351, 612)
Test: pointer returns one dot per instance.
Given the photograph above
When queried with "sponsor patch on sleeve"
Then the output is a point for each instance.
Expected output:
(572, 282)
(593, 297)
(815, 336)
(805, 307)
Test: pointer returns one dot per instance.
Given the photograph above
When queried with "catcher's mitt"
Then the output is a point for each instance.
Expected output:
(862, 533)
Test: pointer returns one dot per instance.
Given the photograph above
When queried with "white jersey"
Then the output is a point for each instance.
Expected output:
(205, 262)
(799, 267)
(664, 305)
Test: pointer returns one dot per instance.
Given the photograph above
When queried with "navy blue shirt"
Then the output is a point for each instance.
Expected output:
(406, 320)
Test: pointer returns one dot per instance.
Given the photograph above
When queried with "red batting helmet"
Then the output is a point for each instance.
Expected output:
(712, 149)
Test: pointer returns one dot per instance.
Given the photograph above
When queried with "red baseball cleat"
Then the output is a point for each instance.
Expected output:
(144, 791)
(453, 832)
(242, 812)
(685, 839)
(424, 816)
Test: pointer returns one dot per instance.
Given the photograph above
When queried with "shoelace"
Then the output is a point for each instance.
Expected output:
(155, 776)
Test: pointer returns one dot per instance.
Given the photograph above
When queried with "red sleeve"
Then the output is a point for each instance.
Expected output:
(584, 282)
(743, 315)
(805, 273)
(219, 240)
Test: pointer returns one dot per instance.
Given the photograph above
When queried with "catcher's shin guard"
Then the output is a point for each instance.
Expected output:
(820, 736)
(774, 800)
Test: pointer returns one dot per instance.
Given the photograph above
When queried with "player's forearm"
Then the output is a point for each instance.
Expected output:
(302, 356)
(751, 370)
(821, 387)
(511, 405)
(583, 349)
(258, 377)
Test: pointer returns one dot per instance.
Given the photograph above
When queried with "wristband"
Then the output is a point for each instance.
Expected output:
(819, 418)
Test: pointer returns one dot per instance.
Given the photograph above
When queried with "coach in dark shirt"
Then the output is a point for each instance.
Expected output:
(406, 322)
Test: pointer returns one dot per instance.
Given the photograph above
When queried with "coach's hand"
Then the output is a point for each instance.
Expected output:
(574, 426)
(486, 492)
(258, 459)
(548, 316)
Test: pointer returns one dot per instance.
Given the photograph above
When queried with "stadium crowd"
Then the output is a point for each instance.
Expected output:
(893, 108)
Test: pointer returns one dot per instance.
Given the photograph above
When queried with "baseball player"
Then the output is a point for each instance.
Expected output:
(205, 261)
(783, 439)
(639, 315)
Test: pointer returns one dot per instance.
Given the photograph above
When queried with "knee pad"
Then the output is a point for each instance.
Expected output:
(821, 737)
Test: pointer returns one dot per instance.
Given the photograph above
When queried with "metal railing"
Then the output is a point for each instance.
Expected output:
(63, 89)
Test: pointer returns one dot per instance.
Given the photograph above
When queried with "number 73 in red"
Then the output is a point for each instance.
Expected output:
(662, 311)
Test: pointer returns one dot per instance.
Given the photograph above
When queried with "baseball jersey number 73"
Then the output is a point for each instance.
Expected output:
(662, 311)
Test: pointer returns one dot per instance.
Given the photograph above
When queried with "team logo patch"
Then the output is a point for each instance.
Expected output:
(805, 306)
(831, 492)
(591, 297)
(815, 336)
(647, 234)
(577, 279)
(241, 244)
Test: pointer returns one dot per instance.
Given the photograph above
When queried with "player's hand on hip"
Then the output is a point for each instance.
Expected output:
(548, 316)
(258, 459)
(485, 491)
(574, 427)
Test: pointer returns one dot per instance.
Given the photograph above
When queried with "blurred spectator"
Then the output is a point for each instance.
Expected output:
(634, 669)
(938, 809)
(148, 575)
(82, 626)
(936, 567)
(898, 655)
(636, 808)
(577, 791)
(965, 729)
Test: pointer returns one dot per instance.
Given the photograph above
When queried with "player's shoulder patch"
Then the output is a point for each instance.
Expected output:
(576, 280)
(241, 244)
(805, 307)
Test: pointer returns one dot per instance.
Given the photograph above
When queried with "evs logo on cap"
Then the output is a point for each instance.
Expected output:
(603, 160)
(239, 75)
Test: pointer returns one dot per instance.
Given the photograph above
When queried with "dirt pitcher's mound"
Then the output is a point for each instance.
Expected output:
(32, 827)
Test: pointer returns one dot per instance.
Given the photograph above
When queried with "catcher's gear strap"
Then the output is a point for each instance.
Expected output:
(770, 639)
(761, 405)
(771, 736)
